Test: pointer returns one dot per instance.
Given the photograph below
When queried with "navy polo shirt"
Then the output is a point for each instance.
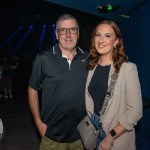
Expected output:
(63, 92)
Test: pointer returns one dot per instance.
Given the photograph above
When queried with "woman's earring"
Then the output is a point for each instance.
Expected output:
(114, 46)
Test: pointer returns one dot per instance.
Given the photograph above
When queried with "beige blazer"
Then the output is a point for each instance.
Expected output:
(125, 106)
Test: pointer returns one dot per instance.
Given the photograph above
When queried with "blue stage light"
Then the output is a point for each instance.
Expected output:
(10, 37)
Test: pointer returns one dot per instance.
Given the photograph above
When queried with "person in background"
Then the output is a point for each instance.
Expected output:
(61, 73)
(7, 77)
(124, 108)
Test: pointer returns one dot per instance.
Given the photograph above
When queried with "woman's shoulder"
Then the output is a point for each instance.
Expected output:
(128, 66)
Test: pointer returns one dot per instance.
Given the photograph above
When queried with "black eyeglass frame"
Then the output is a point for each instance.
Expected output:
(61, 30)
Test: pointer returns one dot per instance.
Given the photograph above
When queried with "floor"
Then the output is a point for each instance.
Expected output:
(20, 132)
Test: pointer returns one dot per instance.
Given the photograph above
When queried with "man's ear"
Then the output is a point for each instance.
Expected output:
(56, 33)
(78, 34)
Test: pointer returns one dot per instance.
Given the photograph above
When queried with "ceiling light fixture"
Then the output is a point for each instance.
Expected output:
(107, 8)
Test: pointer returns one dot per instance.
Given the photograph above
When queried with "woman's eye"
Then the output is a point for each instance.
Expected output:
(97, 34)
(108, 36)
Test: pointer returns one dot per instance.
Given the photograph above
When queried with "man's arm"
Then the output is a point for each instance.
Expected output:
(34, 106)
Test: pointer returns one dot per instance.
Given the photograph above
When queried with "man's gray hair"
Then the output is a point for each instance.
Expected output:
(65, 17)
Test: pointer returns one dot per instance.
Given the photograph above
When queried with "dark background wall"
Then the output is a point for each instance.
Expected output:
(136, 35)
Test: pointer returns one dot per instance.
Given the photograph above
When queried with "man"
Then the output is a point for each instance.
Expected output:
(61, 74)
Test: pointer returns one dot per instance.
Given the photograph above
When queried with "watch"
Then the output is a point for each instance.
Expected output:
(112, 132)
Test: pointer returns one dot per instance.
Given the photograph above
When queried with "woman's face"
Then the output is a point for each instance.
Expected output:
(105, 39)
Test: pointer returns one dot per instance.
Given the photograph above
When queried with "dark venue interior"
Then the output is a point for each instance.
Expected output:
(21, 26)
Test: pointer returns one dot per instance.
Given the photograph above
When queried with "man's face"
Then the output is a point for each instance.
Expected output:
(67, 34)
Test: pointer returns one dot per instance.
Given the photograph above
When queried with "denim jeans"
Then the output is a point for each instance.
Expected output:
(96, 122)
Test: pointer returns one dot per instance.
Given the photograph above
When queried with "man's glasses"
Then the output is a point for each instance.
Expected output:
(63, 31)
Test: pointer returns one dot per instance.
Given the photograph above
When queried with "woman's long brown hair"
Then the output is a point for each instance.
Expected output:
(118, 54)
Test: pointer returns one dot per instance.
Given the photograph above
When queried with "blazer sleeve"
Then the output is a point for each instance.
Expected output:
(134, 98)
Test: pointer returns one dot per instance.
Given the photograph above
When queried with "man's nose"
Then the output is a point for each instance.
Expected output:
(68, 34)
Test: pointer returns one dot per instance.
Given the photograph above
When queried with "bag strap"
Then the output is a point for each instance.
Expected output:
(109, 92)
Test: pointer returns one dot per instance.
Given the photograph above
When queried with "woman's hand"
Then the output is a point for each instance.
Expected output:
(106, 143)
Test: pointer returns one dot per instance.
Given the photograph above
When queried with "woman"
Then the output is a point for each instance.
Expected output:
(124, 108)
